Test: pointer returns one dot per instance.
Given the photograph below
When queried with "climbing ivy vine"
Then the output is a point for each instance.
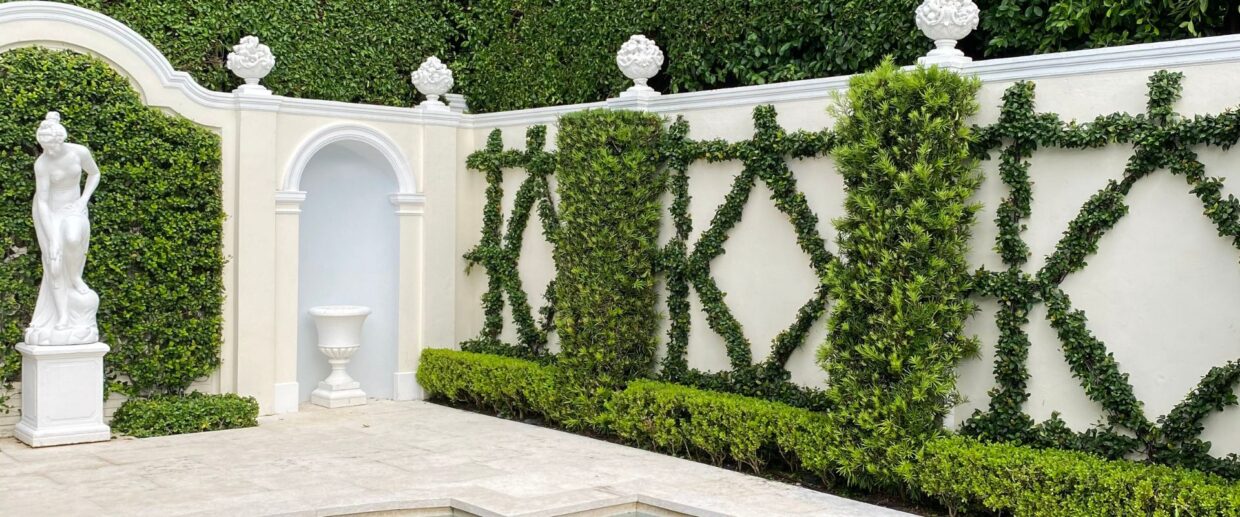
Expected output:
(1161, 139)
(764, 158)
(499, 250)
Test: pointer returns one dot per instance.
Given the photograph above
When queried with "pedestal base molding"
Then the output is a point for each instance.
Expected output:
(62, 395)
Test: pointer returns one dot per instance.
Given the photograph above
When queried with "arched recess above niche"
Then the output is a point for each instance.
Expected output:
(360, 138)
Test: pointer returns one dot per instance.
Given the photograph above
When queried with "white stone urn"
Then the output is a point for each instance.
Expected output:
(340, 336)
(947, 22)
(639, 59)
(433, 79)
(252, 61)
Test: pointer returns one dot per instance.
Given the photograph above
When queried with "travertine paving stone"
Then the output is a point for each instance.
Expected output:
(384, 455)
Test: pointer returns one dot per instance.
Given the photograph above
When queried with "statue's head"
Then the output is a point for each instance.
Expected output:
(51, 134)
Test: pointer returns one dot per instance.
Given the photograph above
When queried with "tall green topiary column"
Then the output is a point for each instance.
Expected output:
(897, 329)
(609, 185)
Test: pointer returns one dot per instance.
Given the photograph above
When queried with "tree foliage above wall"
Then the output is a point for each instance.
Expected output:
(156, 256)
(344, 50)
(1020, 27)
(514, 54)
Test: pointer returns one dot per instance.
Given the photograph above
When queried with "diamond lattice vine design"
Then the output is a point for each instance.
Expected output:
(764, 158)
(1161, 140)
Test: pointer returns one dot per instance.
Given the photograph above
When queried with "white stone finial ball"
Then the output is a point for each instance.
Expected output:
(251, 60)
(639, 59)
(432, 79)
(946, 22)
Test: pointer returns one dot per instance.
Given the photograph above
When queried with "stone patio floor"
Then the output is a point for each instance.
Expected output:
(383, 457)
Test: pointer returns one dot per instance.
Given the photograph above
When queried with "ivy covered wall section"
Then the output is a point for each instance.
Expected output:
(156, 256)
(900, 288)
(686, 263)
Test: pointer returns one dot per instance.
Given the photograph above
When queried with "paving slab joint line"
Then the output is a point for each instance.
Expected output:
(463, 505)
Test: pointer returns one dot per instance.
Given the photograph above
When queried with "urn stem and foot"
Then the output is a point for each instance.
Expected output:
(340, 336)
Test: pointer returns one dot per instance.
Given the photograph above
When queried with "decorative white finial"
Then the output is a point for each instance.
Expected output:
(946, 22)
(640, 59)
(251, 61)
(433, 79)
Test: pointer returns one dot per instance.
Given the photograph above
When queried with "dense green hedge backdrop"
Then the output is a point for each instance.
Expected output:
(156, 256)
(512, 54)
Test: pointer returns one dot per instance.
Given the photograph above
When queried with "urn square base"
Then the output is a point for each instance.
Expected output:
(327, 397)
(62, 395)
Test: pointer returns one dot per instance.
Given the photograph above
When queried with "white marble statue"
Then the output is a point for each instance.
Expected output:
(65, 311)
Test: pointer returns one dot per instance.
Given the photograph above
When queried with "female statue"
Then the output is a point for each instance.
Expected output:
(65, 311)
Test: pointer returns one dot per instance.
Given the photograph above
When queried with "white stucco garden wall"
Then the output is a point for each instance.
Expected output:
(1161, 293)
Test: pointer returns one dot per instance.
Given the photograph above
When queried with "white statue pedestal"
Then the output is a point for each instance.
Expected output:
(62, 395)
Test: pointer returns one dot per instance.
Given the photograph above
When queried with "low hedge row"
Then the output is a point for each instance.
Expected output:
(965, 474)
(180, 414)
(720, 427)
(509, 387)
(961, 473)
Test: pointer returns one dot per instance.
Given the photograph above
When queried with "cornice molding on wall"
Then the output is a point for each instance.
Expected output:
(1180, 53)
(525, 117)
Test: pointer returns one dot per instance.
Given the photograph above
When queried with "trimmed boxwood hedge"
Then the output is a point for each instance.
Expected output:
(510, 387)
(965, 474)
(180, 414)
(960, 472)
(156, 256)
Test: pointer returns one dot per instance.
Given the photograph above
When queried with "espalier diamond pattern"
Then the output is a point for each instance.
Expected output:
(764, 157)
(1161, 140)
(499, 251)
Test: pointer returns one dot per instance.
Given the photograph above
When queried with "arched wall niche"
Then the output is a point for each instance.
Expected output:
(361, 138)
(348, 232)
(348, 254)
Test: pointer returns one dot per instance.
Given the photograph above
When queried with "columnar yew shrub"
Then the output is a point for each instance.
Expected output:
(896, 332)
(156, 255)
(610, 182)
